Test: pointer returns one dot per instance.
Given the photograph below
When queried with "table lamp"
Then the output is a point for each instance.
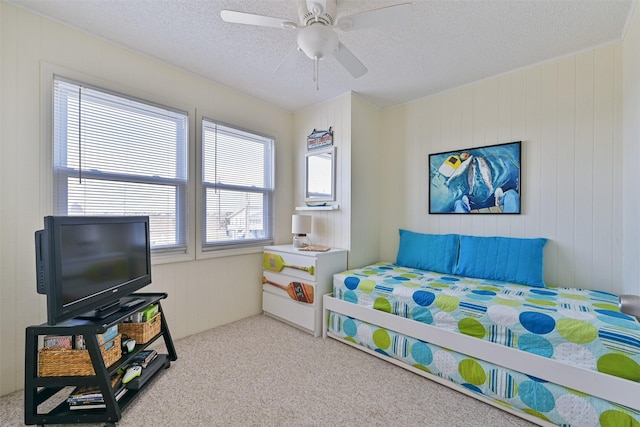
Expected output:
(300, 227)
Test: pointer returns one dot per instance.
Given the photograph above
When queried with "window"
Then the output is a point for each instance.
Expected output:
(237, 187)
(115, 155)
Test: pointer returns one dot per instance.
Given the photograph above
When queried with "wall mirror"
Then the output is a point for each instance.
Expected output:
(320, 175)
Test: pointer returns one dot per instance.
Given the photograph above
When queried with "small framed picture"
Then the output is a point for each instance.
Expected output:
(480, 180)
(320, 139)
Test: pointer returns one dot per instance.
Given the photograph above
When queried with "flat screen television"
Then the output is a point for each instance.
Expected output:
(85, 264)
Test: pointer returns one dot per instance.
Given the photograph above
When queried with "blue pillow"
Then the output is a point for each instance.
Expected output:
(502, 258)
(432, 252)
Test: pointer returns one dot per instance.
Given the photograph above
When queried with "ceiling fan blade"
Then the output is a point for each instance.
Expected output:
(253, 19)
(349, 61)
(290, 61)
(391, 15)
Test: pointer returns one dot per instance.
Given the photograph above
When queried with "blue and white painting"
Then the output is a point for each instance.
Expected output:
(476, 180)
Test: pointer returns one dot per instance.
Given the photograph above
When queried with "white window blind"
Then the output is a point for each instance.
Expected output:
(115, 155)
(237, 187)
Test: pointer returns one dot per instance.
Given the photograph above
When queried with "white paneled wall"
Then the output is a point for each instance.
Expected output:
(202, 293)
(631, 154)
(330, 228)
(368, 169)
(568, 114)
(357, 127)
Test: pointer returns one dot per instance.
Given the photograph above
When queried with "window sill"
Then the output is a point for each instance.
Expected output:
(318, 208)
(221, 253)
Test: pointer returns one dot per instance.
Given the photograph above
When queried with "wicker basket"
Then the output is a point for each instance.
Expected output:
(141, 332)
(55, 362)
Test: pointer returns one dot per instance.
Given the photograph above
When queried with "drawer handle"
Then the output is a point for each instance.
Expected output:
(296, 290)
(274, 262)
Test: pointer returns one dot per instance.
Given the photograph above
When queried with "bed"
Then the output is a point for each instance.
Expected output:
(474, 314)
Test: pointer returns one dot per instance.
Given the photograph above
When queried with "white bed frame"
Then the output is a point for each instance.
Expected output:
(607, 387)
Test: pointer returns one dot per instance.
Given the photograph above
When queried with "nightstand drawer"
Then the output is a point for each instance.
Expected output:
(296, 265)
(289, 286)
(295, 312)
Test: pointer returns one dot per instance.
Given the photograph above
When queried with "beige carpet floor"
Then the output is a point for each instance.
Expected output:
(261, 372)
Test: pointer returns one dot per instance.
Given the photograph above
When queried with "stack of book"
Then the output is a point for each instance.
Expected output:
(144, 358)
(77, 342)
(144, 315)
(90, 397)
(59, 342)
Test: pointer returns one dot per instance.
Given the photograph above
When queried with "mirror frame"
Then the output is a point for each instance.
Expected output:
(331, 197)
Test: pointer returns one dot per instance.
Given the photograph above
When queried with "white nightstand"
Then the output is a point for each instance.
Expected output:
(294, 282)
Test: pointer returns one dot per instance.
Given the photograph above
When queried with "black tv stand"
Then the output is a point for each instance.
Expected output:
(39, 390)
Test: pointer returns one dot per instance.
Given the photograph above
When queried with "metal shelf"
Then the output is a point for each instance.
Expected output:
(39, 389)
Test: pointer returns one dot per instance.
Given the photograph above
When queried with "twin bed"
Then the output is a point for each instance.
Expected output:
(474, 313)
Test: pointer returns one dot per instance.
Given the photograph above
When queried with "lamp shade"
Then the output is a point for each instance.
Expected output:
(301, 224)
(630, 304)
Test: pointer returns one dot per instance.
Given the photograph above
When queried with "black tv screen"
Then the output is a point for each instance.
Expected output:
(86, 264)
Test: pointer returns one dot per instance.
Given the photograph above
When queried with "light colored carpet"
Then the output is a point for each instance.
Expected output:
(261, 372)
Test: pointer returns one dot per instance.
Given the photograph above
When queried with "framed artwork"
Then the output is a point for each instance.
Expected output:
(481, 180)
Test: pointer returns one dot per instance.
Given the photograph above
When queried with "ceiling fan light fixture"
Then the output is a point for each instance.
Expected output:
(315, 31)
(317, 41)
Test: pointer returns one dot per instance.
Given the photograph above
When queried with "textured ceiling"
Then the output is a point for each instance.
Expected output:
(446, 44)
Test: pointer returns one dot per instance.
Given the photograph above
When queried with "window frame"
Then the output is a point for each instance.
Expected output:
(237, 246)
(185, 203)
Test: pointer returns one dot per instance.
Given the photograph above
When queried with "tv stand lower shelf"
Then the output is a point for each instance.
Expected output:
(43, 392)
(148, 373)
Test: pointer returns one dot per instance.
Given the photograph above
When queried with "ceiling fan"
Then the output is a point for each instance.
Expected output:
(316, 35)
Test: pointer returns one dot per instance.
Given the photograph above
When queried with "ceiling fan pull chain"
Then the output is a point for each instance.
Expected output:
(315, 72)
